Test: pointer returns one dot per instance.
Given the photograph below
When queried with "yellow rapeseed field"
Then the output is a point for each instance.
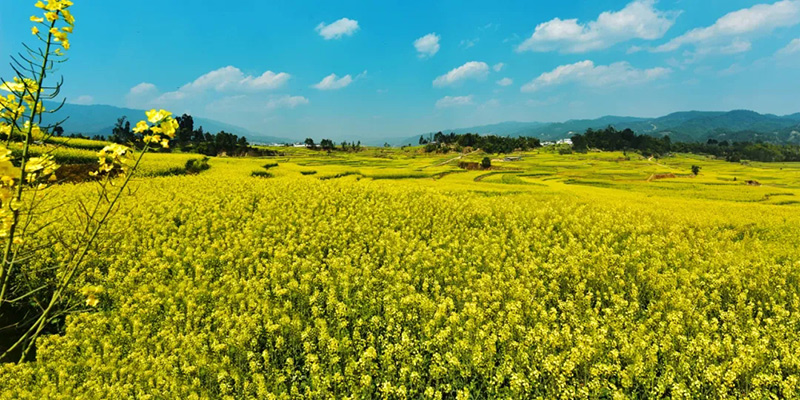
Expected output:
(225, 285)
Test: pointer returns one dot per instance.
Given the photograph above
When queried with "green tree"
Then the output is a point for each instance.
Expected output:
(121, 133)
(326, 144)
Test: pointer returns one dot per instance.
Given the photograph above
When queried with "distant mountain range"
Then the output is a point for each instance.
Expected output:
(689, 126)
(737, 125)
(100, 119)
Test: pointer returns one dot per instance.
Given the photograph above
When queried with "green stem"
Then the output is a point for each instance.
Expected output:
(16, 115)
(40, 323)
(8, 262)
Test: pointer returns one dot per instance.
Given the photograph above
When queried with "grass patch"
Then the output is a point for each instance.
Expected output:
(197, 165)
(75, 143)
(441, 175)
(589, 183)
(308, 173)
(410, 175)
(484, 176)
(339, 175)
(261, 174)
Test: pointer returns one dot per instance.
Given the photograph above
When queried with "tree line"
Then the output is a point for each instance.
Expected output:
(329, 145)
(189, 139)
(443, 143)
(611, 139)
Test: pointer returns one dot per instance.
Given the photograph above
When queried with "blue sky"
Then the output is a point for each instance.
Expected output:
(406, 67)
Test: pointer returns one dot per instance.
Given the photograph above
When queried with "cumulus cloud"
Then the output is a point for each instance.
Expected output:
(224, 80)
(143, 88)
(428, 45)
(84, 100)
(333, 82)
(470, 70)
(792, 48)
(638, 20)
(231, 78)
(467, 43)
(224, 88)
(337, 30)
(286, 102)
(589, 74)
(505, 82)
(254, 104)
(727, 32)
(498, 67)
(141, 94)
(455, 101)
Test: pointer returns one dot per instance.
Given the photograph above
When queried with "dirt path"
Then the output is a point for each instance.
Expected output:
(659, 164)
(451, 160)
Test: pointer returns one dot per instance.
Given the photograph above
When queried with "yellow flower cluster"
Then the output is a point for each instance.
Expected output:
(14, 106)
(91, 292)
(162, 124)
(112, 157)
(7, 173)
(115, 156)
(236, 287)
(54, 11)
(38, 170)
(19, 89)
(41, 167)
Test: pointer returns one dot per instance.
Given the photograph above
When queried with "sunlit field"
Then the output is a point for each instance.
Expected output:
(170, 228)
(396, 274)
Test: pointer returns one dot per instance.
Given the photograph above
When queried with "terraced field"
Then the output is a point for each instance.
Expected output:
(395, 274)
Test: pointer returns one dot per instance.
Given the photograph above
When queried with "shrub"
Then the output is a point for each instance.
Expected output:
(261, 174)
(197, 165)
(308, 172)
(486, 163)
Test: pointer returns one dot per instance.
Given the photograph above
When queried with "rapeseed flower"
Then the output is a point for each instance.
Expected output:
(155, 117)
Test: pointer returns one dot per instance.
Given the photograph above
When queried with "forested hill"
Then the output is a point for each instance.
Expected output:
(92, 120)
(687, 126)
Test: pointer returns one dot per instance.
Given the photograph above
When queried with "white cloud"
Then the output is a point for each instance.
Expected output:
(254, 104)
(427, 45)
(470, 70)
(84, 100)
(491, 103)
(332, 82)
(143, 88)
(634, 49)
(140, 95)
(737, 46)
(456, 101)
(792, 48)
(505, 82)
(638, 20)
(467, 43)
(589, 74)
(732, 70)
(231, 78)
(498, 67)
(223, 80)
(286, 102)
(338, 29)
(728, 30)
